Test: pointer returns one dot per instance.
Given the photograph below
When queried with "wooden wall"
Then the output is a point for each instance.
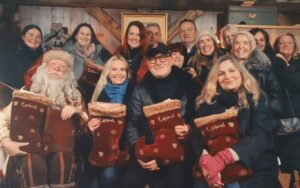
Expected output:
(273, 31)
(71, 17)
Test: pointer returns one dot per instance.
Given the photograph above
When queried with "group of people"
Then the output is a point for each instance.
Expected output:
(245, 73)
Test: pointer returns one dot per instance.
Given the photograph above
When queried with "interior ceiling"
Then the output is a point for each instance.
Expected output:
(207, 5)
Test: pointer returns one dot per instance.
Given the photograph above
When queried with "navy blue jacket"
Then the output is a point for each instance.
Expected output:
(255, 147)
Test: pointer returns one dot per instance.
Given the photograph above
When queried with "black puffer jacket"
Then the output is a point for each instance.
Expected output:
(259, 65)
(22, 60)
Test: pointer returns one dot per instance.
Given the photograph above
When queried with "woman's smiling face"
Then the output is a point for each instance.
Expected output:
(117, 72)
(133, 37)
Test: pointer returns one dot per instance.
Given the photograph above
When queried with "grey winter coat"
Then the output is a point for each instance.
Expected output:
(79, 60)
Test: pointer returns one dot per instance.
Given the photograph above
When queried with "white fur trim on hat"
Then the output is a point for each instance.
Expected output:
(58, 54)
(210, 33)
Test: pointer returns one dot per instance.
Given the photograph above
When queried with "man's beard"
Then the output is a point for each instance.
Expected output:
(60, 89)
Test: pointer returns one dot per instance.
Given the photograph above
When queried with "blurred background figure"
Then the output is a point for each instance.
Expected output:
(227, 35)
(188, 36)
(263, 42)
(155, 33)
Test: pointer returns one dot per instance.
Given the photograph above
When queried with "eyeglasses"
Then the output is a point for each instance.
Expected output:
(162, 58)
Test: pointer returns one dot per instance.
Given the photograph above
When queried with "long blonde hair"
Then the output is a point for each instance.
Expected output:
(248, 86)
(104, 75)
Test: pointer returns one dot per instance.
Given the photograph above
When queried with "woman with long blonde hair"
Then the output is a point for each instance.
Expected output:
(229, 85)
(287, 69)
(113, 86)
(104, 78)
(244, 48)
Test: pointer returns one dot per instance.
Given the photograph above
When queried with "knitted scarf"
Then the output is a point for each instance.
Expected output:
(116, 93)
(86, 53)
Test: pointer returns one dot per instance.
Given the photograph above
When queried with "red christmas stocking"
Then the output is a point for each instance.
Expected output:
(105, 150)
(162, 118)
(27, 119)
(89, 79)
(220, 131)
(59, 134)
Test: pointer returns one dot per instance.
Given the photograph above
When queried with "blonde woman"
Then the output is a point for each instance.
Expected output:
(228, 85)
(113, 86)
(287, 69)
(259, 65)
(227, 34)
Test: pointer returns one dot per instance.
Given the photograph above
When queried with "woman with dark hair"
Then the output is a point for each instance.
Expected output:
(27, 52)
(263, 42)
(85, 47)
(134, 47)
(178, 54)
(179, 57)
(90, 57)
(230, 86)
(287, 69)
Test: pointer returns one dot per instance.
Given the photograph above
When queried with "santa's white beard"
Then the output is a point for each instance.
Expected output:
(54, 89)
(59, 89)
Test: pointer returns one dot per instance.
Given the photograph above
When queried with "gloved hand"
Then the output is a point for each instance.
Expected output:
(212, 165)
(215, 181)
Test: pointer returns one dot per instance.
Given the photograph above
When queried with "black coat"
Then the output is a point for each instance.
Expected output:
(134, 59)
(255, 147)
(145, 94)
(260, 67)
(22, 60)
(289, 78)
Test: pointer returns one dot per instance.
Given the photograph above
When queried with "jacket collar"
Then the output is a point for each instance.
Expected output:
(149, 82)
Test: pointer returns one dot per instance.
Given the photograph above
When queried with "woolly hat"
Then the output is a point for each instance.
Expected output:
(209, 33)
(58, 54)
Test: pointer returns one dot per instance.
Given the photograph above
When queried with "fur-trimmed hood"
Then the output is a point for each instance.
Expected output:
(258, 61)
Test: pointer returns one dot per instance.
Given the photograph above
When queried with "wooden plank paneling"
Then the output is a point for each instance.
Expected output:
(70, 17)
(24, 12)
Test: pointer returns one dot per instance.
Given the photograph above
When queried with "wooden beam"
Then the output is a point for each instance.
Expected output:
(106, 20)
(182, 5)
(174, 28)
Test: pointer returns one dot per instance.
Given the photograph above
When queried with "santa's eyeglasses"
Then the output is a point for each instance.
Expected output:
(162, 58)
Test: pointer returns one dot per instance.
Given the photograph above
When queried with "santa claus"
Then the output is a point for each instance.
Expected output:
(43, 152)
